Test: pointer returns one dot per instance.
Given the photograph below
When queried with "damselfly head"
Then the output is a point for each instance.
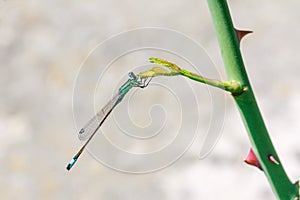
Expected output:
(132, 76)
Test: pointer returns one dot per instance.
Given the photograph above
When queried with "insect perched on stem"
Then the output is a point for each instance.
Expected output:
(92, 126)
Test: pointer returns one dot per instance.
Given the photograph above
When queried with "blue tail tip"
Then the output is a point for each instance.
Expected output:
(69, 167)
(71, 164)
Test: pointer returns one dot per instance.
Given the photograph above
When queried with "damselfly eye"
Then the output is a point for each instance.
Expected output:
(132, 76)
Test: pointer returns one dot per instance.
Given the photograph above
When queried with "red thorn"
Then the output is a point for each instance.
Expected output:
(252, 160)
(241, 33)
(272, 159)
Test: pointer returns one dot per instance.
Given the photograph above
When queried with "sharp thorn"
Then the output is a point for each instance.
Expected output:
(242, 33)
(251, 159)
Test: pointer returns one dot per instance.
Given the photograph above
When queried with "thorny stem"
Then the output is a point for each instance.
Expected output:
(242, 93)
(246, 102)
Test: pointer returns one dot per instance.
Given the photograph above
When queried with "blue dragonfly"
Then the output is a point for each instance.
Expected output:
(92, 126)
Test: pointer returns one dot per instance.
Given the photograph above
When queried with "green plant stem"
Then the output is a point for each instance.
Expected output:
(258, 134)
(231, 86)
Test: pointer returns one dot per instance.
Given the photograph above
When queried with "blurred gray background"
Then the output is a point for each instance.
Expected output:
(43, 44)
